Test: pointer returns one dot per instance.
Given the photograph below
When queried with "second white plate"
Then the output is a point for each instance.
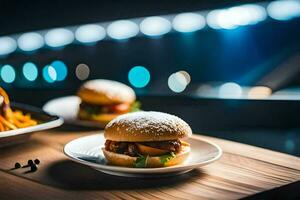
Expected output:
(67, 108)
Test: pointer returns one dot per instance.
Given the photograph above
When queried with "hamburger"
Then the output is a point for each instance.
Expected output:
(103, 100)
(146, 139)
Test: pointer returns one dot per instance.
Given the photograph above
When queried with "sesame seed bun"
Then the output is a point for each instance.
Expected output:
(146, 126)
(106, 92)
(153, 161)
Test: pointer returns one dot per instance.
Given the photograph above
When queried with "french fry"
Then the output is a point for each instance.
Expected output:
(4, 95)
(11, 120)
(7, 123)
(23, 125)
(1, 127)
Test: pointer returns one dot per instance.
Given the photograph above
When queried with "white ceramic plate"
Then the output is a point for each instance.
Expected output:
(46, 121)
(67, 108)
(87, 150)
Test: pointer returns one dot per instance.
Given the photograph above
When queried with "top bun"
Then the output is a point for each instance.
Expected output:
(106, 92)
(146, 127)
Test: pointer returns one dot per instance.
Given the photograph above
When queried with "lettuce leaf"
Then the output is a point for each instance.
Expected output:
(166, 158)
(141, 161)
(136, 106)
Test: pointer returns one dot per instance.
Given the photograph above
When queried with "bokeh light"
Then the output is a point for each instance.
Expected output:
(284, 9)
(247, 14)
(186, 75)
(259, 92)
(155, 26)
(90, 33)
(122, 29)
(49, 74)
(188, 22)
(212, 19)
(230, 90)
(30, 41)
(8, 73)
(61, 70)
(82, 71)
(7, 45)
(178, 81)
(30, 71)
(139, 76)
(59, 37)
(236, 16)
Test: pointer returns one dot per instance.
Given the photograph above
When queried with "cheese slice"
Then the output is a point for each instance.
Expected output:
(183, 143)
(146, 150)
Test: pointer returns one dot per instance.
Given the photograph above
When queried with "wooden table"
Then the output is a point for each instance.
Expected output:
(243, 171)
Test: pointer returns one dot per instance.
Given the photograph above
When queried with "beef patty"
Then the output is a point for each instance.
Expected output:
(131, 149)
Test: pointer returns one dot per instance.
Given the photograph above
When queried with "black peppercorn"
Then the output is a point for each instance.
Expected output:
(33, 168)
(17, 165)
(30, 162)
(37, 161)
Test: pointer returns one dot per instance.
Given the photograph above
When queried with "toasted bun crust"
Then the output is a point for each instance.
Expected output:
(103, 119)
(106, 92)
(128, 161)
(146, 126)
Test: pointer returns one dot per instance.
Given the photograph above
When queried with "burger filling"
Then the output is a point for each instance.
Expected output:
(113, 109)
(135, 149)
(166, 150)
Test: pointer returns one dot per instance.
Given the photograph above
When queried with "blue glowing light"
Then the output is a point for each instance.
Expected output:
(7, 45)
(139, 76)
(30, 71)
(30, 41)
(49, 74)
(8, 74)
(236, 16)
(122, 29)
(59, 37)
(90, 33)
(188, 22)
(61, 70)
(284, 10)
(155, 26)
(230, 90)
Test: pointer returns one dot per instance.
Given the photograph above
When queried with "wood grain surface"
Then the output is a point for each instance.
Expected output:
(243, 171)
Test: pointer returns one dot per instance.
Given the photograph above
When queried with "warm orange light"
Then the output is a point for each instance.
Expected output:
(259, 92)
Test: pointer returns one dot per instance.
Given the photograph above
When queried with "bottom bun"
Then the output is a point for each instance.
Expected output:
(155, 161)
(102, 118)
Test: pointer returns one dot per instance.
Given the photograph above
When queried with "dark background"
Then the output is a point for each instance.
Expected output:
(244, 55)
(21, 16)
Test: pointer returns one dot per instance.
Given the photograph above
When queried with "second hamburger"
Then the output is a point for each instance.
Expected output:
(103, 100)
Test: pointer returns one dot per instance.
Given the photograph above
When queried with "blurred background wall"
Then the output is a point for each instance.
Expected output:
(221, 65)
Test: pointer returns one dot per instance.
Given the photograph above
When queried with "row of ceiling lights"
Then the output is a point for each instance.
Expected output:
(228, 18)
